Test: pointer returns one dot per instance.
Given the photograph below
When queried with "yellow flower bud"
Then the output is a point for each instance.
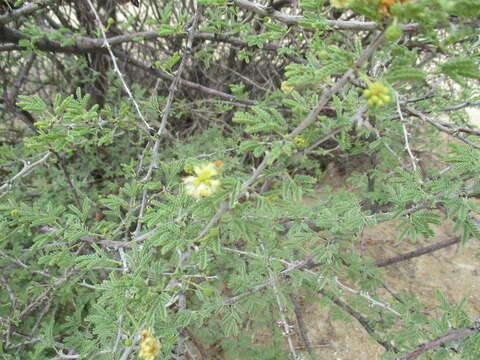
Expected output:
(287, 89)
(377, 94)
(300, 142)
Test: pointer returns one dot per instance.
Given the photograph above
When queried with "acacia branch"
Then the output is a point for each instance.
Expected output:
(419, 252)
(26, 169)
(83, 45)
(254, 7)
(10, 97)
(283, 320)
(19, 81)
(171, 93)
(301, 326)
(327, 94)
(192, 85)
(360, 318)
(462, 106)
(115, 65)
(24, 10)
(305, 265)
(352, 25)
(68, 178)
(224, 206)
(297, 266)
(452, 132)
(451, 336)
(458, 129)
(302, 265)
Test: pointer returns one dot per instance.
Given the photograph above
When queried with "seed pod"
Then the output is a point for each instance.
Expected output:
(393, 32)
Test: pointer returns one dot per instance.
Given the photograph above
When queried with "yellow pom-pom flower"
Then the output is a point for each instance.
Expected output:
(287, 89)
(149, 346)
(202, 184)
(377, 94)
(300, 142)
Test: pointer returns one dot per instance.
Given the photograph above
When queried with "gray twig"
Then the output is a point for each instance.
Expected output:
(115, 65)
(26, 169)
(302, 327)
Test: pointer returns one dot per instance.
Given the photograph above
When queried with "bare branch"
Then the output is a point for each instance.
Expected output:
(462, 106)
(27, 167)
(171, 93)
(362, 320)
(83, 45)
(441, 127)
(419, 252)
(115, 66)
(24, 10)
(263, 10)
(301, 326)
(451, 336)
(162, 75)
(405, 134)
(283, 319)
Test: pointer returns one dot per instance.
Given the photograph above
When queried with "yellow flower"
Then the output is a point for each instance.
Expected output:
(300, 142)
(377, 94)
(202, 184)
(149, 346)
(339, 4)
(287, 89)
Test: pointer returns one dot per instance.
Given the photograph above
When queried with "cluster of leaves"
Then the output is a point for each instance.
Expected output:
(100, 241)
